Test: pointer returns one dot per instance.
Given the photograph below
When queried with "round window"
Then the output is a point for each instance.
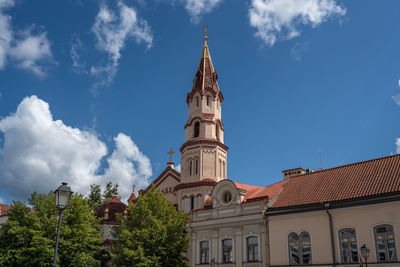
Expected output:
(227, 197)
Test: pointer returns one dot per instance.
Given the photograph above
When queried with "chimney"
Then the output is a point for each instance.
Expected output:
(294, 172)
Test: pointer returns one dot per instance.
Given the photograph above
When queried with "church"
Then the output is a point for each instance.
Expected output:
(309, 218)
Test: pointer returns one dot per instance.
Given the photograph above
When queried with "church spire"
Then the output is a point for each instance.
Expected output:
(206, 77)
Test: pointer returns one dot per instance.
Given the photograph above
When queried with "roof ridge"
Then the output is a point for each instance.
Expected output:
(346, 165)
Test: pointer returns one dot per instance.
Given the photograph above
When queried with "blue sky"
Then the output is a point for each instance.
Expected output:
(92, 91)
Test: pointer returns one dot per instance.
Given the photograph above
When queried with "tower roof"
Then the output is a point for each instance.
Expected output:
(206, 76)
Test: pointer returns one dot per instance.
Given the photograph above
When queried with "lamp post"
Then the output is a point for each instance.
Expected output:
(63, 193)
(365, 253)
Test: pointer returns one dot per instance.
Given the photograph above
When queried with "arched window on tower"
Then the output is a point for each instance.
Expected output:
(196, 129)
(217, 131)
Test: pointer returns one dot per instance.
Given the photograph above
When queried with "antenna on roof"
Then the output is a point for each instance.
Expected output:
(320, 159)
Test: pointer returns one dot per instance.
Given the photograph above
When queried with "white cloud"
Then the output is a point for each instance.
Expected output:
(178, 168)
(112, 31)
(398, 145)
(197, 8)
(279, 19)
(128, 165)
(6, 34)
(32, 52)
(39, 152)
(78, 65)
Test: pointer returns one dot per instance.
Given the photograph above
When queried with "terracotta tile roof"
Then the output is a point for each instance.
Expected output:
(4, 209)
(362, 179)
(132, 198)
(254, 192)
(114, 206)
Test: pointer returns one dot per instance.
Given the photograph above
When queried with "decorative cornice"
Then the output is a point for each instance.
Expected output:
(194, 184)
(204, 141)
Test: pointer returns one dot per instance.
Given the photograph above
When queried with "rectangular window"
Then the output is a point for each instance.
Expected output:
(223, 169)
(196, 166)
(192, 203)
(208, 101)
(190, 168)
(252, 249)
(227, 253)
(385, 246)
(204, 252)
(197, 101)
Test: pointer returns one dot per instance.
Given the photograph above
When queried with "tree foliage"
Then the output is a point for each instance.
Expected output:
(109, 191)
(94, 198)
(28, 237)
(153, 234)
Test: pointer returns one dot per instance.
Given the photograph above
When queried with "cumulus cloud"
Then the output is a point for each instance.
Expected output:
(6, 34)
(128, 165)
(112, 30)
(197, 8)
(32, 52)
(178, 168)
(280, 19)
(39, 152)
(29, 51)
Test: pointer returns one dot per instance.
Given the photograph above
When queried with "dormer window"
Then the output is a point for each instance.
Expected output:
(227, 197)
(196, 132)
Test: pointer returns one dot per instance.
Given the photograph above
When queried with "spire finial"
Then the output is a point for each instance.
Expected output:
(205, 33)
(170, 153)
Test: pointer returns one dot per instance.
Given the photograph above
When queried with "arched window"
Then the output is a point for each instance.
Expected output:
(252, 249)
(348, 245)
(299, 248)
(197, 101)
(227, 254)
(384, 242)
(190, 167)
(208, 101)
(196, 129)
(217, 131)
(196, 166)
(204, 252)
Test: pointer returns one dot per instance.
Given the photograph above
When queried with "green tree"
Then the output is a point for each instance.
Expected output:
(109, 191)
(153, 234)
(28, 237)
(94, 198)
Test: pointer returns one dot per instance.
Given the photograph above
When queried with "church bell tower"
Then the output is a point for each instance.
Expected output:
(204, 155)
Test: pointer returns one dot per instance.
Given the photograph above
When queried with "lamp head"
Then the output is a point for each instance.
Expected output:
(364, 251)
(63, 193)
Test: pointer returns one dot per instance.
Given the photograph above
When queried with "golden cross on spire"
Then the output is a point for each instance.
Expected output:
(170, 153)
(205, 31)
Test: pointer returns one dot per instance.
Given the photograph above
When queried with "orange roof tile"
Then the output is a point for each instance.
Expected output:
(4, 209)
(362, 179)
(254, 192)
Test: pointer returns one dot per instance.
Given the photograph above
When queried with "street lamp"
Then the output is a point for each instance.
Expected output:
(63, 193)
(365, 253)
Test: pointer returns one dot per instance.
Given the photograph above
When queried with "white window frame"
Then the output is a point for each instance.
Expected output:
(220, 248)
(198, 250)
(245, 246)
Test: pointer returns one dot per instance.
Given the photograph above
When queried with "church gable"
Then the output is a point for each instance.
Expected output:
(166, 183)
